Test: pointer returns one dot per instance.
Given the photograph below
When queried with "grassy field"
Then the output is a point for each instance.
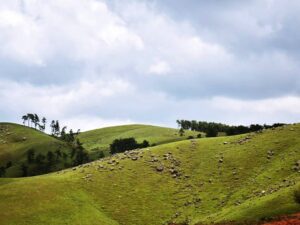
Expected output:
(100, 139)
(16, 140)
(245, 177)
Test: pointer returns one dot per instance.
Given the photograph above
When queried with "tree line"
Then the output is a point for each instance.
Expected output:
(44, 163)
(33, 120)
(212, 129)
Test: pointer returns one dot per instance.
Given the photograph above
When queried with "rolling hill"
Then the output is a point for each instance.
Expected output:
(16, 140)
(244, 177)
(100, 139)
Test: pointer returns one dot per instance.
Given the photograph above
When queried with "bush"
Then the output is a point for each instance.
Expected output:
(190, 137)
(199, 135)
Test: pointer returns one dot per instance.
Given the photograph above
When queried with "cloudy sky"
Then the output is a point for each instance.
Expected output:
(93, 63)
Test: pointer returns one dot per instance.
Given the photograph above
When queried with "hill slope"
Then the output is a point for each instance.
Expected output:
(16, 140)
(100, 139)
(244, 177)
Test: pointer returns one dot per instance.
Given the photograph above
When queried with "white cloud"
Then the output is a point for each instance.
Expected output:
(160, 68)
(113, 49)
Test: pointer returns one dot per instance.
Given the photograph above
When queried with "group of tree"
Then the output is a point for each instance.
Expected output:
(212, 129)
(33, 119)
(122, 145)
(43, 163)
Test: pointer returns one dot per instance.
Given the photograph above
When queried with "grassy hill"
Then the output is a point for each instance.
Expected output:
(100, 139)
(16, 140)
(245, 177)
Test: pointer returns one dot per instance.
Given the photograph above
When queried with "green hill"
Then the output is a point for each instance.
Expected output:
(245, 177)
(16, 140)
(100, 139)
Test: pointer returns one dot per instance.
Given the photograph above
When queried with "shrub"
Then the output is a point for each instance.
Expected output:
(190, 137)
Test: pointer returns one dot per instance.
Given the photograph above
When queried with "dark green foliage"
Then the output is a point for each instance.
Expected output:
(79, 154)
(8, 164)
(2, 171)
(199, 135)
(181, 131)
(30, 156)
(145, 144)
(65, 156)
(190, 137)
(24, 169)
(211, 132)
(101, 154)
(122, 145)
(212, 129)
(50, 158)
(58, 154)
(40, 159)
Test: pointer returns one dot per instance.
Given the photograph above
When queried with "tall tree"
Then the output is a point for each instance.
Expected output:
(24, 118)
(31, 118)
(57, 128)
(44, 121)
(36, 120)
(52, 125)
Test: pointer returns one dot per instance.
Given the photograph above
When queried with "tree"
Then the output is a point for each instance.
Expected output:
(31, 118)
(30, 156)
(56, 128)
(145, 144)
(36, 120)
(52, 125)
(24, 118)
(63, 133)
(44, 121)
(211, 132)
(81, 156)
(181, 131)
(24, 169)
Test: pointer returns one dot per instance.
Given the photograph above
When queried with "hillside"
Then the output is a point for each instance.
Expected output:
(16, 140)
(100, 139)
(245, 177)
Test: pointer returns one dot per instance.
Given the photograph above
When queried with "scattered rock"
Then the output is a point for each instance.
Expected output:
(159, 168)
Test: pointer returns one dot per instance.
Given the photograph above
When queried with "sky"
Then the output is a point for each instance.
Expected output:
(96, 63)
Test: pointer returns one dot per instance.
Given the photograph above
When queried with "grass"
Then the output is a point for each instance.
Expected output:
(218, 182)
(16, 140)
(100, 139)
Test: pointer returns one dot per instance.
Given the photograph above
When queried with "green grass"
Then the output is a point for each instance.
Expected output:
(16, 140)
(245, 186)
(100, 139)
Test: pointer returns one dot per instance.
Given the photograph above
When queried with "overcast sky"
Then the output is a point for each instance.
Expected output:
(93, 63)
